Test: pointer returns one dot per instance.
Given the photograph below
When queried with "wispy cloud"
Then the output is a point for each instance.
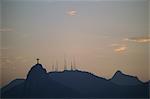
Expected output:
(138, 39)
(3, 57)
(6, 30)
(7, 61)
(119, 48)
(19, 58)
(4, 48)
(117, 45)
(72, 12)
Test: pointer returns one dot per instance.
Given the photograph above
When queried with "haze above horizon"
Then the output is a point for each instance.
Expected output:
(101, 37)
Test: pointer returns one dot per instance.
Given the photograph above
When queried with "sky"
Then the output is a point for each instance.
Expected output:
(100, 36)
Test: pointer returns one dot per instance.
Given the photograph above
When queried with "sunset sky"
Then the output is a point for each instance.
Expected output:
(100, 36)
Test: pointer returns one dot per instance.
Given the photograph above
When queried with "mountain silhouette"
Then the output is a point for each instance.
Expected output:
(13, 84)
(74, 84)
(90, 85)
(38, 84)
(123, 79)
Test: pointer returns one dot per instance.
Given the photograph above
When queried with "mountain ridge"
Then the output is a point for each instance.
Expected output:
(123, 79)
(74, 83)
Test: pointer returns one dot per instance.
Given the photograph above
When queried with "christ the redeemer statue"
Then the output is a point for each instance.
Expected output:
(37, 60)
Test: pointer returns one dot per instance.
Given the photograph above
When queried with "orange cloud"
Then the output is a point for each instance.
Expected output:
(120, 49)
(72, 13)
(138, 39)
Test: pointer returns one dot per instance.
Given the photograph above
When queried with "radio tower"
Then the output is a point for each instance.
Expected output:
(56, 67)
(71, 66)
(53, 67)
(65, 64)
(74, 64)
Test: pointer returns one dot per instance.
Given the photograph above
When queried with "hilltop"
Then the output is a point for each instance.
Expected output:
(74, 84)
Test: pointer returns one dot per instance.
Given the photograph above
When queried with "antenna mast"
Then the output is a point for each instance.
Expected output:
(74, 63)
(53, 69)
(56, 68)
(65, 64)
(71, 66)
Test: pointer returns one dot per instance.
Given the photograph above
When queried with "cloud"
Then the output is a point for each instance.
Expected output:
(7, 61)
(120, 49)
(3, 57)
(4, 48)
(19, 58)
(138, 39)
(6, 30)
(72, 12)
(117, 45)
